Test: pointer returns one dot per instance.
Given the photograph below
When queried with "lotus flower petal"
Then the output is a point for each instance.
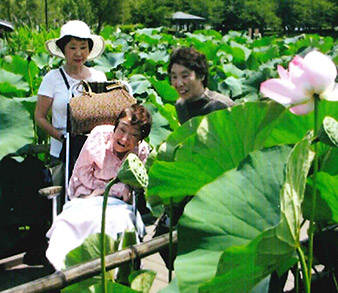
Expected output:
(299, 77)
(320, 70)
(303, 109)
(331, 94)
(283, 74)
(282, 91)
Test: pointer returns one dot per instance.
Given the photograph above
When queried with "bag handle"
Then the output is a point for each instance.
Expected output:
(115, 85)
(86, 87)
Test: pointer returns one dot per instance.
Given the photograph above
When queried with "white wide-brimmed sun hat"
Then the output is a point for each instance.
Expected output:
(78, 29)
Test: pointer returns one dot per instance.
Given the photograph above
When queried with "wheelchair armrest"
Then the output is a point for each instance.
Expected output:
(51, 191)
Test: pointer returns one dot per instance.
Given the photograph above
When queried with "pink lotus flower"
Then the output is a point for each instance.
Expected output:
(295, 89)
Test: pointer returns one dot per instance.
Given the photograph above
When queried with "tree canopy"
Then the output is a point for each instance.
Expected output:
(224, 15)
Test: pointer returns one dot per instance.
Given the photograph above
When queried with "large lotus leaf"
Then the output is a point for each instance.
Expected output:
(142, 280)
(12, 84)
(139, 83)
(216, 143)
(109, 61)
(16, 126)
(159, 130)
(168, 111)
(204, 45)
(244, 224)
(327, 198)
(234, 85)
(43, 60)
(266, 53)
(132, 59)
(329, 162)
(107, 31)
(89, 250)
(21, 66)
(29, 104)
(240, 52)
(291, 128)
(159, 56)
(164, 89)
(167, 149)
(231, 70)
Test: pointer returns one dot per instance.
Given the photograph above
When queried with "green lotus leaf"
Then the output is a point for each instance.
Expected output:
(240, 52)
(128, 238)
(292, 128)
(12, 84)
(21, 66)
(164, 89)
(89, 250)
(235, 86)
(142, 280)
(329, 162)
(327, 198)
(205, 46)
(160, 128)
(43, 60)
(203, 148)
(245, 224)
(131, 60)
(139, 83)
(232, 70)
(109, 61)
(159, 56)
(16, 126)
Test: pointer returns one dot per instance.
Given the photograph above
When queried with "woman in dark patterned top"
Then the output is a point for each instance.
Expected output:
(188, 71)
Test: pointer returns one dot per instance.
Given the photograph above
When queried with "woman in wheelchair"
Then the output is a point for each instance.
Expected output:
(99, 162)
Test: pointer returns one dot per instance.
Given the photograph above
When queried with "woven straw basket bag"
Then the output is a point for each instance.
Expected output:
(100, 103)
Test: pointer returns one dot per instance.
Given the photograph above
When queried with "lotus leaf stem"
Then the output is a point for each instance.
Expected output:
(314, 193)
(304, 269)
(103, 235)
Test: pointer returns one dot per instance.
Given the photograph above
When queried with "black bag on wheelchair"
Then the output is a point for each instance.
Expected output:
(24, 215)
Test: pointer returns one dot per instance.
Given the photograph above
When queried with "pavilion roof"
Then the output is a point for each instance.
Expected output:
(185, 16)
(6, 25)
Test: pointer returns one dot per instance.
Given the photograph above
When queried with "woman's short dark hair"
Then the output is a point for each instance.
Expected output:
(192, 59)
(61, 43)
(138, 115)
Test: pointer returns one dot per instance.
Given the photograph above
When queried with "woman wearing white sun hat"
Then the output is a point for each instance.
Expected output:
(76, 45)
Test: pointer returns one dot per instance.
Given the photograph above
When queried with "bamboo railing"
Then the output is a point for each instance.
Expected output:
(62, 279)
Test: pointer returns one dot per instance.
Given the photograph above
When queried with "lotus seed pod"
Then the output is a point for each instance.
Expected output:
(328, 133)
(133, 172)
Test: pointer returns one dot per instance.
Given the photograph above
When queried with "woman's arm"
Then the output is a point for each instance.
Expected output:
(41, 111)
(84, 181)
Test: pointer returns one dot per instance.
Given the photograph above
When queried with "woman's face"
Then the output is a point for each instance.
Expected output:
(185, 81)
(126, 137)
(76, 52)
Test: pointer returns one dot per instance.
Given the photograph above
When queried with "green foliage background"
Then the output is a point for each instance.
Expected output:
(225, 15)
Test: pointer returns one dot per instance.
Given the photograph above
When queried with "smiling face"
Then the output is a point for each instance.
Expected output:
(76, 52)
(126, 137)
(186, 82)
